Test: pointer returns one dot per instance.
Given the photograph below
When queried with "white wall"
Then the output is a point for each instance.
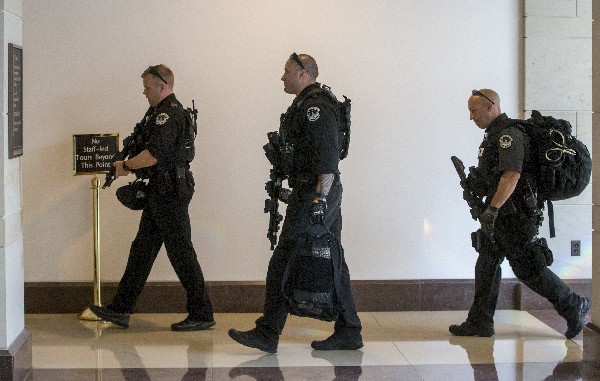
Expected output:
(408, 66)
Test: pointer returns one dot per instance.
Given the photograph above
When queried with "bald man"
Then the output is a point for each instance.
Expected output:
(506, 177)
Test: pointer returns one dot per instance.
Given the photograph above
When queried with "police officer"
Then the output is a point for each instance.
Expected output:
(162, 156)
(505, 176)
(310, 127)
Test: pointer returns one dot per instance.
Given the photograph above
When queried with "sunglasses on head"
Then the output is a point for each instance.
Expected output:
(152, 70)
(477, 92)
(296, 59)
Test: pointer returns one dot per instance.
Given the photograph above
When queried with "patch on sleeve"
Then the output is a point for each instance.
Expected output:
(313, 113)
(161, 119)
(505, 141)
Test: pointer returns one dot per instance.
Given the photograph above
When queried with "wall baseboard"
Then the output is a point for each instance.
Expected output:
(370, 295)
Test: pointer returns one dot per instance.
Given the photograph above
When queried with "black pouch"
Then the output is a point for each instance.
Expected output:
(309, 283)
(540, 245)
(185, 183)
(134, 195)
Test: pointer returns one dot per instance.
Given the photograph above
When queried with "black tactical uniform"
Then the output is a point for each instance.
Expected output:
(310, 126)
(165, 219)
(506, 147)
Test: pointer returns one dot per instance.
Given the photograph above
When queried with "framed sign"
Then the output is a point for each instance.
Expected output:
(15, 101)
(93, 153)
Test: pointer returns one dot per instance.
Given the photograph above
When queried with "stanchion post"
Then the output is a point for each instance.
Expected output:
(87, 314)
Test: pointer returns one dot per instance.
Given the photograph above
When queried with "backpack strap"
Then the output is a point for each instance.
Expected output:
(551, 219)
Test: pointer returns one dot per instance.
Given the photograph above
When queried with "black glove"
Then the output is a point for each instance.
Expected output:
(487, 219)
(317, 228)
(317, 212)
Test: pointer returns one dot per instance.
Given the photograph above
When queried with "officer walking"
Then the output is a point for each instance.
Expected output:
(311, 130)
(163, 150)
(505, 176)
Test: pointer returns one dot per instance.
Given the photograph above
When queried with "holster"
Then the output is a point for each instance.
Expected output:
(184, 182)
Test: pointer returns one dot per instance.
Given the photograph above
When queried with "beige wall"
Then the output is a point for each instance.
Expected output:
(408, 66)
(557, 82)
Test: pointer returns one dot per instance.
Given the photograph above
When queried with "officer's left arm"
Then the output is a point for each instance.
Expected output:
(506, 186)
(511, 156)
(322, 129)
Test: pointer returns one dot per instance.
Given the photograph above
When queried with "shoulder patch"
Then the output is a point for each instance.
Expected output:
(313, 113)
(161, 119)
(505, 141)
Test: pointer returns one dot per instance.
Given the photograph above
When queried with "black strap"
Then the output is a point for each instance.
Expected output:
(551, 219)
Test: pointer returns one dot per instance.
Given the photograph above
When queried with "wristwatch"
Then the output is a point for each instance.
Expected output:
(126, 167)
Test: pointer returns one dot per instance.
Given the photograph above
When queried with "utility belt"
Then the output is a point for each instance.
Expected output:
(302, 179)
(307, 179)
(177, 180)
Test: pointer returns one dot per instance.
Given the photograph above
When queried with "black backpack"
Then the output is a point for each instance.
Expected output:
(187, 149)
(563, 163)
(344, 121)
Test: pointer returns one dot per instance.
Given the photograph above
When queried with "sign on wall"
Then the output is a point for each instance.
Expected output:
(93, 153)
(15, 101)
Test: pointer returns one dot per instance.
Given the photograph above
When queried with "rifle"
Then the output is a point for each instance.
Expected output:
(128, 144)
(274, 186)
(475, 203)
(194, 113)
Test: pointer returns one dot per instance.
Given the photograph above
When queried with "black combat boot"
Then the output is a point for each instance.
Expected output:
(191, 324)
(471, 329)
(339, 341)
(576, 321)
(108, 314)
(254, 339)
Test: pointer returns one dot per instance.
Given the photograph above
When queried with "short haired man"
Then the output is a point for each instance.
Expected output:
(310, 126)
(165, 218)
(505, 176)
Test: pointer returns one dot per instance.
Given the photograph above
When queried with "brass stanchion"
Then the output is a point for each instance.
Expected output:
(87, 314)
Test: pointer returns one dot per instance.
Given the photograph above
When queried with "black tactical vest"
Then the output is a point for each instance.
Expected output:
(489, 153)
(298, 152)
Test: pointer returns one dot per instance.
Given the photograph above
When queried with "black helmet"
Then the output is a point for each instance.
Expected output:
(134, 195)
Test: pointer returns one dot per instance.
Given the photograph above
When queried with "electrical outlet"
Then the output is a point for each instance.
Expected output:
(575, 248)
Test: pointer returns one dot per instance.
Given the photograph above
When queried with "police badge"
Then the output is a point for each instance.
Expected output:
(161, 119)
(505, 141)
(313, 113)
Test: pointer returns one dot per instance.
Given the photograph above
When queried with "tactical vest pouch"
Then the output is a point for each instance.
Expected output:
(539, 248)
(309, 282)
(185, 183)
(134, 195)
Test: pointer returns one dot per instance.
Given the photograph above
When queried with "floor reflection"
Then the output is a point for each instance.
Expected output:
(568, 370)
(257, 370)
(346, 364)
(483, 349)
(408, 346)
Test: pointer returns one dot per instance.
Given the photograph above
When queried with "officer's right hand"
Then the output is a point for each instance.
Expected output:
(317, 211)
(119, 170)
(488, 219)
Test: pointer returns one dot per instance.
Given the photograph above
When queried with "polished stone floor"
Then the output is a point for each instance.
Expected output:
(398, 346)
